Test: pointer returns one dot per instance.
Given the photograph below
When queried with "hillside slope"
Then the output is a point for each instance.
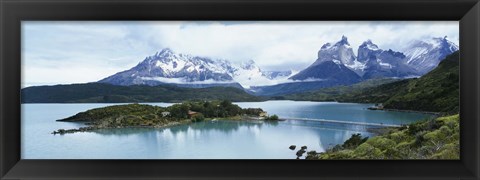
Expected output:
(432, 139)
(437, 91)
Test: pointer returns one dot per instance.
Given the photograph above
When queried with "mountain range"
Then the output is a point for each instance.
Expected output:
(168, 67)
(436, 91)
(337, 64)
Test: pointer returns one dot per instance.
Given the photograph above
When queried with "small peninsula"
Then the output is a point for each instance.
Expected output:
(143, 115)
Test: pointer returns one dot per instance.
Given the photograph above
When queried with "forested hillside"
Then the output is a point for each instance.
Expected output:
(107, 93)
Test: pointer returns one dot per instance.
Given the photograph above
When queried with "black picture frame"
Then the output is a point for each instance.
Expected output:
(12, 12)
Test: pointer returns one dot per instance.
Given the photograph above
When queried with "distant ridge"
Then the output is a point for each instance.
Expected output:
(107, 93)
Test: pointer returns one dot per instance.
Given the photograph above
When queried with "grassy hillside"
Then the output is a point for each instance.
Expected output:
(107, 93)
(432, 139)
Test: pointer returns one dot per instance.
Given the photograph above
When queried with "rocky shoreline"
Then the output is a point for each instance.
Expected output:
(93, 128)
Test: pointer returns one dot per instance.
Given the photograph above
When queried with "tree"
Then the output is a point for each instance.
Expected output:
(179, 111)
(226, 103)
(198, 117)
(354, 141)
(272, 117)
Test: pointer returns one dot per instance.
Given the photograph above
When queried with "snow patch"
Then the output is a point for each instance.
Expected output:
(357, 65)
(190, 69)
(372, 47)
(385, 65)
(415, 53)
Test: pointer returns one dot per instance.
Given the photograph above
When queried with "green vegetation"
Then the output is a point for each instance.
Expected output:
(185, 110)
(354, 141)
(437, 91)
(430, 139)
(272, 117)
(336, 93)
(107, 93)
(198, 117)
(141, 115)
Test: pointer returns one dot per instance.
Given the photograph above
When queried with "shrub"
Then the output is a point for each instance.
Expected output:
(198, 118)
(367, 151)
(438, 139)
(398, 136)
(450, 151)
(354, 141)
(381, 143)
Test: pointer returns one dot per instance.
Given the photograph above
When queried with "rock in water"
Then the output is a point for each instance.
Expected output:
(300, 152)
(292, 147)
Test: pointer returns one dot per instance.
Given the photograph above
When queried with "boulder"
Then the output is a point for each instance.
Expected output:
(292, 147)
(300, 152)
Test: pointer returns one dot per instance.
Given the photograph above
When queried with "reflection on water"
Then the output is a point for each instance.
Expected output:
(223, 126)
(222, 139)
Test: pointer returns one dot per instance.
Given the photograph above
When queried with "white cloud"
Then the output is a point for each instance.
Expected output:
(53, 50)
(33, 76)
(185, 81)
(245, 84)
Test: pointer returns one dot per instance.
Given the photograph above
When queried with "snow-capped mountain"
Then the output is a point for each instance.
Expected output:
(336, 64)
(340, 53)
(366, 49)
(425, 55)
(277, 74)
(378, 63)
(318, 75)
(248, 74)
(327, 71)
(374, 62)
(168, 67)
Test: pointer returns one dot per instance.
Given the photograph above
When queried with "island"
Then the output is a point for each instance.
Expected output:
(143, 115)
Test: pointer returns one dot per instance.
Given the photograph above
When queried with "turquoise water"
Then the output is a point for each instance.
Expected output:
(203, 140)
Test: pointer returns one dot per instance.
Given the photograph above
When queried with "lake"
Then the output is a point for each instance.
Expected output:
(222, 139)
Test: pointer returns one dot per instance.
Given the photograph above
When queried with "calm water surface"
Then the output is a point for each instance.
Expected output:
(203, 140)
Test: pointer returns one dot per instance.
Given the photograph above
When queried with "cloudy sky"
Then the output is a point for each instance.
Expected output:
(63, 52)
